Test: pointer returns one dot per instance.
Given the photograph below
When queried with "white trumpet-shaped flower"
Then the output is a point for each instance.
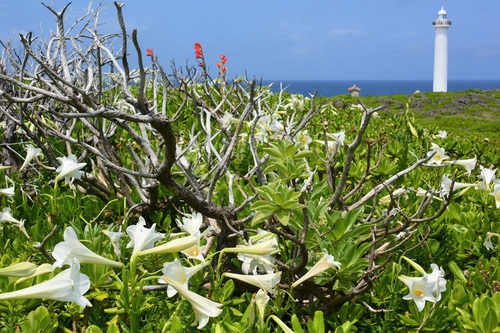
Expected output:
(261, 248)
(18, 269)
(438, 155)
(204, 309)
(338, 137)
(31, 153)
(65, 252)
(227, 119)
(385, 200)
(304, 139)
(6, 216)
(191, 224)
(68, 286)
(255, 263)
(266, 282)
(469, 164)
(325, 263)
(426, 288)
(8, 192)
(69, 168)
(496, 194)
(442, 134)
(40, 270)
(178, 273)
(142, 238)
(252, 263)
(488, 176)
(446, 185)
(114, 237)
(175, 245)
(488, 243)
(261, 300)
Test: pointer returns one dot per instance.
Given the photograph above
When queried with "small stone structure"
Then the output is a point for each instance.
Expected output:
(354, 90)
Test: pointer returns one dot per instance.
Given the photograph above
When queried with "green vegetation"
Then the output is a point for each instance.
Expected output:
(174, 202)
(471, 114)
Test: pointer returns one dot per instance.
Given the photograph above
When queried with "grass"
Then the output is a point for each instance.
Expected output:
(474, 114)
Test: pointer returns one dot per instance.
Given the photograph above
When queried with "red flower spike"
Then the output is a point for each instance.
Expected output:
(150, 52)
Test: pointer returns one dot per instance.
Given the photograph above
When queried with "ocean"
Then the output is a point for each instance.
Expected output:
(329, 88)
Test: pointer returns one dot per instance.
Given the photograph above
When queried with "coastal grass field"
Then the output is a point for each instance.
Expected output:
(473, 114)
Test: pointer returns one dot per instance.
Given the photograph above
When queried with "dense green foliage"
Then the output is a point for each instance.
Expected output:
(184, 203)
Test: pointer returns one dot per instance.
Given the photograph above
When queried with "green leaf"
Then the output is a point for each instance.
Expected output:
(93, 329)
(261, 216)
(297, 328)
(319, 322)
(39, 321)
(490, 321)
(283, 217)
(226, 291)
(263, 206)
(457, 272)
(412, 129)
(113, 328)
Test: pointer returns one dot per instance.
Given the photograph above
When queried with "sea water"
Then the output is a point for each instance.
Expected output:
(375, 87)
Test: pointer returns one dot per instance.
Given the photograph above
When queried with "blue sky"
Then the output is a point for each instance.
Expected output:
(291, 39)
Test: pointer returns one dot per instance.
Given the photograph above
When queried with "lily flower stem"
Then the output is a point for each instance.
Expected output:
(217, 270)
(55, 195)
(134, 299)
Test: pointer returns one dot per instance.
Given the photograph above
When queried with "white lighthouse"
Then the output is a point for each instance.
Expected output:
(441, 26)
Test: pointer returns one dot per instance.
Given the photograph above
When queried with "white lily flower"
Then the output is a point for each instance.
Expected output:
(446, 185)
(18, 269)
(325, 263)
(114, 237)
(442, 134)
(69, 168)
(252, 263)
(266, 247)
(65, 252)
(6, 216)
(469, 164)
(175, 245)
(488, 176)
(191, 224)
(8, 192)
(40, 270)
(178, 273)
(304, 139)
(496, 194)
(267, 282)
(276, 126)
(333, 146)
(438, 155)
(31, 153)
(142, 238)
(437, 277)
(203, 307)
(228, 119)
(426, 288)
(395, 194)
(488, 242)
(261, 135)
(261, 300)
(338, 137)
(68, 286)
